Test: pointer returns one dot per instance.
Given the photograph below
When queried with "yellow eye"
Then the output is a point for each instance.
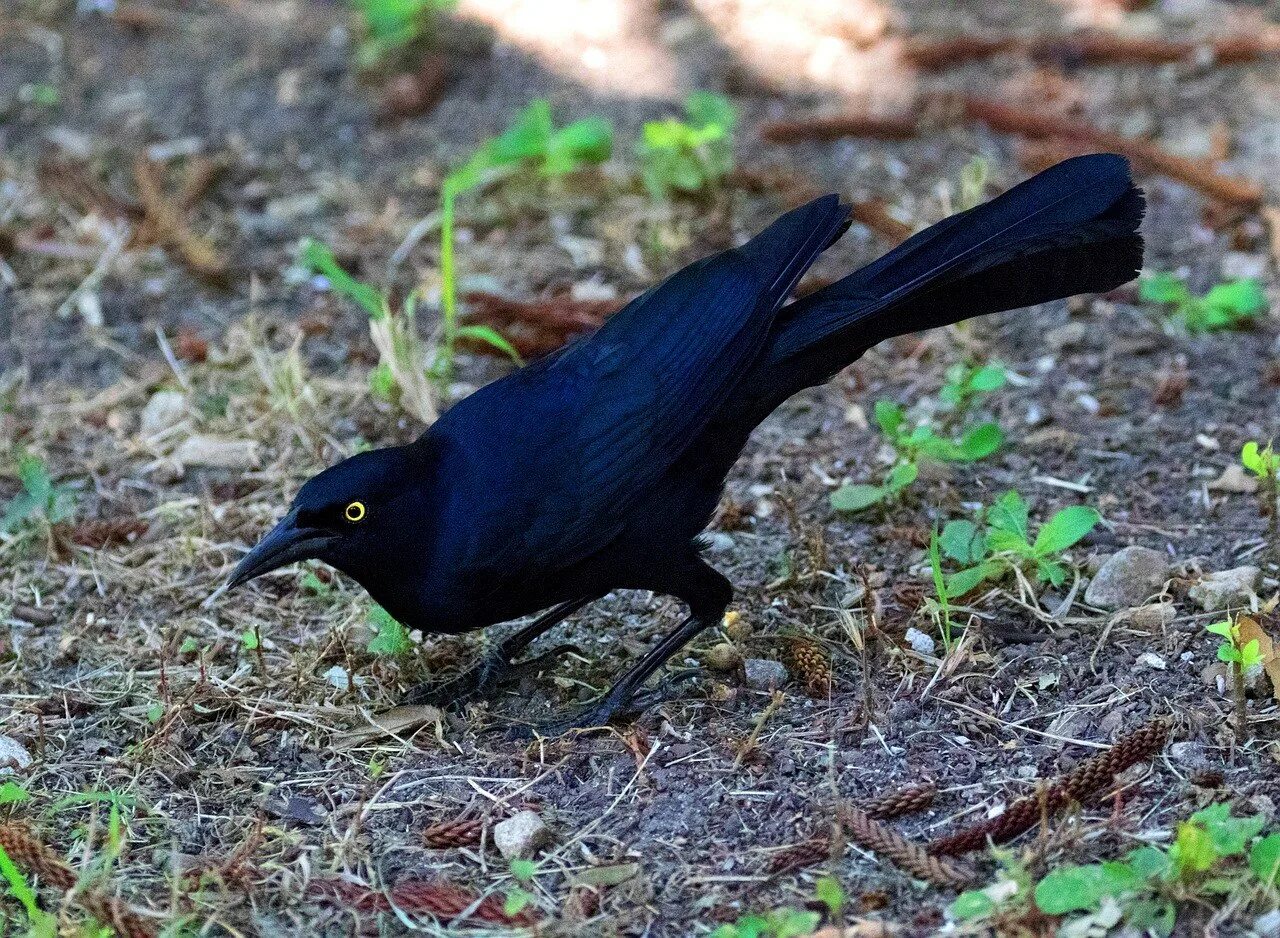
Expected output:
(354, 512)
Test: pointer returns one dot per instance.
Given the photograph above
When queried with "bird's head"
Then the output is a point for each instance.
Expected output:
(352, 516)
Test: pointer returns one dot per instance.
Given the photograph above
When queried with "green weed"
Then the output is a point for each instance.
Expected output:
(389, 636)
(912, 444)
(1216, 859)
(692, 155)
(1241, 655)
(1235, 304)
(1264, 463)
(41, 504)
(389, 26)
(1000, 541)
(532, 142)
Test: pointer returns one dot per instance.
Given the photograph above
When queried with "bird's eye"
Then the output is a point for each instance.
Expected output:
(354, 512)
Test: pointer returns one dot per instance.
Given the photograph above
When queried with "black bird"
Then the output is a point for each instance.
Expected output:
(597, 468)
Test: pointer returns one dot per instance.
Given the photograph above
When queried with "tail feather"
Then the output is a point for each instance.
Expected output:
(1071, 229)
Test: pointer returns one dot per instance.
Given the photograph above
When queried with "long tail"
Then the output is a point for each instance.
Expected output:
(1071, 229)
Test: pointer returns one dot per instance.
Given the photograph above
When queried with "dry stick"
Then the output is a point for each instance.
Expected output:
(1091, 47)
(1089, 777)
(1200, 174)
(28, 852)
(1035, 124)
(869, 833)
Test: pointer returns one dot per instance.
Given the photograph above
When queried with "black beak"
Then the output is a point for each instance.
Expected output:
(286, 543)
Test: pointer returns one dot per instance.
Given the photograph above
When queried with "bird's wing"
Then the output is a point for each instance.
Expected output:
(558, 452)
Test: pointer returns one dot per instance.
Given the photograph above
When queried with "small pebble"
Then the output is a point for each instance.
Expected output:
(521, 835)
(764, 673)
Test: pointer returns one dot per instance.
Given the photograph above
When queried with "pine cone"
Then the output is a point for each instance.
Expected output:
(30, 854)
(812, 665)
(907, 856)
(456, 833)
(801, 856)
(909, 800)
(1086, 779)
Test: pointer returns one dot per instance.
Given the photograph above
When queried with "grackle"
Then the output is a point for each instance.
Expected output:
(597, 467)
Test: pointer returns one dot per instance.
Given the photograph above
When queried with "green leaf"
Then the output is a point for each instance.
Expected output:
(971, 905)
(523, 870)
(857, 497)
(1192, 850)
(830, 893)
(516, 902)
(980, 442)
(1228, 653)
(489, 336)
(318, 258)
(889, 417)
(1250, 655)
(1151, 916)
(585, 141)
(966, 581)
(1264, 859)
(13, 793)
(249, 639)
(1163, 288)
(1051, 571)
(382, 382)
(1229, 835)
(1009, 514)
(900, 476)
(1064, 529)
(1223, 628)
(43, 924)
(1080, 888)
(390, 637)
(963, 541)
(706, 109)
(988, 378)
(1148, 862)
(1242, 299)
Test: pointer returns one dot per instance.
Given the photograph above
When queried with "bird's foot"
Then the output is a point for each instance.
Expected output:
(618, 704)
(492, 671)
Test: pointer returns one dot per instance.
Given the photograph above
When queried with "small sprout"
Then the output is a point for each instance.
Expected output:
(689, 156)
(41, 503)
(939, 608)
(973, 182)
(389, 26)
(389, 636)
(1235, 304)
(43, 925)
(1264, 463)
(13, 793)
(966, 383)
(518, 898)
(911, 446)
(1241, 657)
(830, 893)
(40, 94)
(1004, 542)
(249, 640)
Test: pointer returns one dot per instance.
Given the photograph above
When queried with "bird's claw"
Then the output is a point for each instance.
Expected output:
(601, 713)
(491, 672)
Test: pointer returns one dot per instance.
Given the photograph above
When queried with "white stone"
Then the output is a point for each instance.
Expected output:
(521, 835)
(1128, 578)
(164, 409)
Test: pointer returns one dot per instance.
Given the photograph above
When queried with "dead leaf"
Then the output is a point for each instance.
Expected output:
(1250, 630)
(398, 721)
(1235, 479)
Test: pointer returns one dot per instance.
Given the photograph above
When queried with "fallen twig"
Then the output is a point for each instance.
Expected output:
(1090, 47)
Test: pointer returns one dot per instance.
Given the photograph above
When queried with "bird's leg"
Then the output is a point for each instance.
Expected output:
(495, 667)
(620, 696)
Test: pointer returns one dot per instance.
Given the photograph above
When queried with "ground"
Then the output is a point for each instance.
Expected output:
(242, 735)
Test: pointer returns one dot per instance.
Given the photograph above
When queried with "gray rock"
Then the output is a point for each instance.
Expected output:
(13, 755)
(1230, 588)
(1128, 578)
(1268, 924)
(764, 673)
(521, 835)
